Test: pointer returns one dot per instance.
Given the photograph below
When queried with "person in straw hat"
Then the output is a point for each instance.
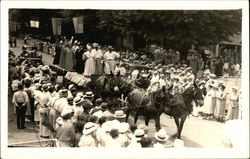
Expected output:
(123, 134)
(161, 137)
(87, 101)
(65, 132)
(120, 116)
(135, 141)
(88, 138)
(233, 110)
(77, 107)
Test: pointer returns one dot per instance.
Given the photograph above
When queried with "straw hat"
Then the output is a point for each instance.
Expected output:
(161, 135)
(37, 85)
(70, 99)
(139, 133)
(78, 100)
(119, 114)
(89, 127)
(123, 127)
(66, 111)
(88, 95)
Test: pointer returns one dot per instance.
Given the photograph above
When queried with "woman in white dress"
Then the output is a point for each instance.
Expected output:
(208, 102)
(233, 111)
(90, 62)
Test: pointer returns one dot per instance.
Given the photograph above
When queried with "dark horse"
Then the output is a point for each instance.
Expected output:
(107, 86)
(181, 111)
(150, 106)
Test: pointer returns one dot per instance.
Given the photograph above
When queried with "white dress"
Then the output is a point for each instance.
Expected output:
(208, 102)
(89, 64)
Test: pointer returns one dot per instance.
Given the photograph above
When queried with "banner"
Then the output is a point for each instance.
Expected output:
(34, 24)
(12, 26)
(57, 26)
(78, 24)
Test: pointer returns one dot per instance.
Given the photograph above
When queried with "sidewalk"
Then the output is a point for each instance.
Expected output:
(31, 133)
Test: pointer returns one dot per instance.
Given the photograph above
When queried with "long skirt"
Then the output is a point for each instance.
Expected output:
(43, 130)
(89, 67)
(220, 108)
(213, 105)
(70, 61)
(98, 69)
(57, 56)
(36, 113)
(62, 60)
(53, 115)
(233, 113)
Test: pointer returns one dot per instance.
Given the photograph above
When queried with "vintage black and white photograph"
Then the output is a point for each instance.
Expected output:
(125, 78)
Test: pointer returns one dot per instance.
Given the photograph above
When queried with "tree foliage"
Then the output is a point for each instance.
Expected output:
(180, 27)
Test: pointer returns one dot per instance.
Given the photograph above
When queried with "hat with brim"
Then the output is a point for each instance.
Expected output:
(119, 114)
(201, 83)
(89, 127)
(78, 100)
(70, 99)
(161, 135)
(37, 85)
(139, 133)
(66, 111)
(88, 95)
(123, 127)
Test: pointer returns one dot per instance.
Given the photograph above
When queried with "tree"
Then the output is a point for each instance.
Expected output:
(180, 28)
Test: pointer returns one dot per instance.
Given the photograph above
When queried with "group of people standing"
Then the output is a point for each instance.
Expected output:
(71, 116)
(92, 60)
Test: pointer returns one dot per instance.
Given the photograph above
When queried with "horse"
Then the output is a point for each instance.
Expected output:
(107, 86)
(180, 111)
(150, 106)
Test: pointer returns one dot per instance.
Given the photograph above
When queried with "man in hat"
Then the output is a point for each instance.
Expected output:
(62, 101)
(123, 134)
(87, 101)
(161, 137)
(89, 136)
(65, 133)
(138, 135)
(120, 116)
(109, 58)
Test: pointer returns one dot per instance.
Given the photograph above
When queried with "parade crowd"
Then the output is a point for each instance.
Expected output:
(75, 120)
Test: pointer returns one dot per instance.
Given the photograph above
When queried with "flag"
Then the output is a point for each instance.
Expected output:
(78, 24)
(57, 25)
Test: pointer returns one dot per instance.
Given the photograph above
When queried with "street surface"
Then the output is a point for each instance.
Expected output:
(196, 132)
